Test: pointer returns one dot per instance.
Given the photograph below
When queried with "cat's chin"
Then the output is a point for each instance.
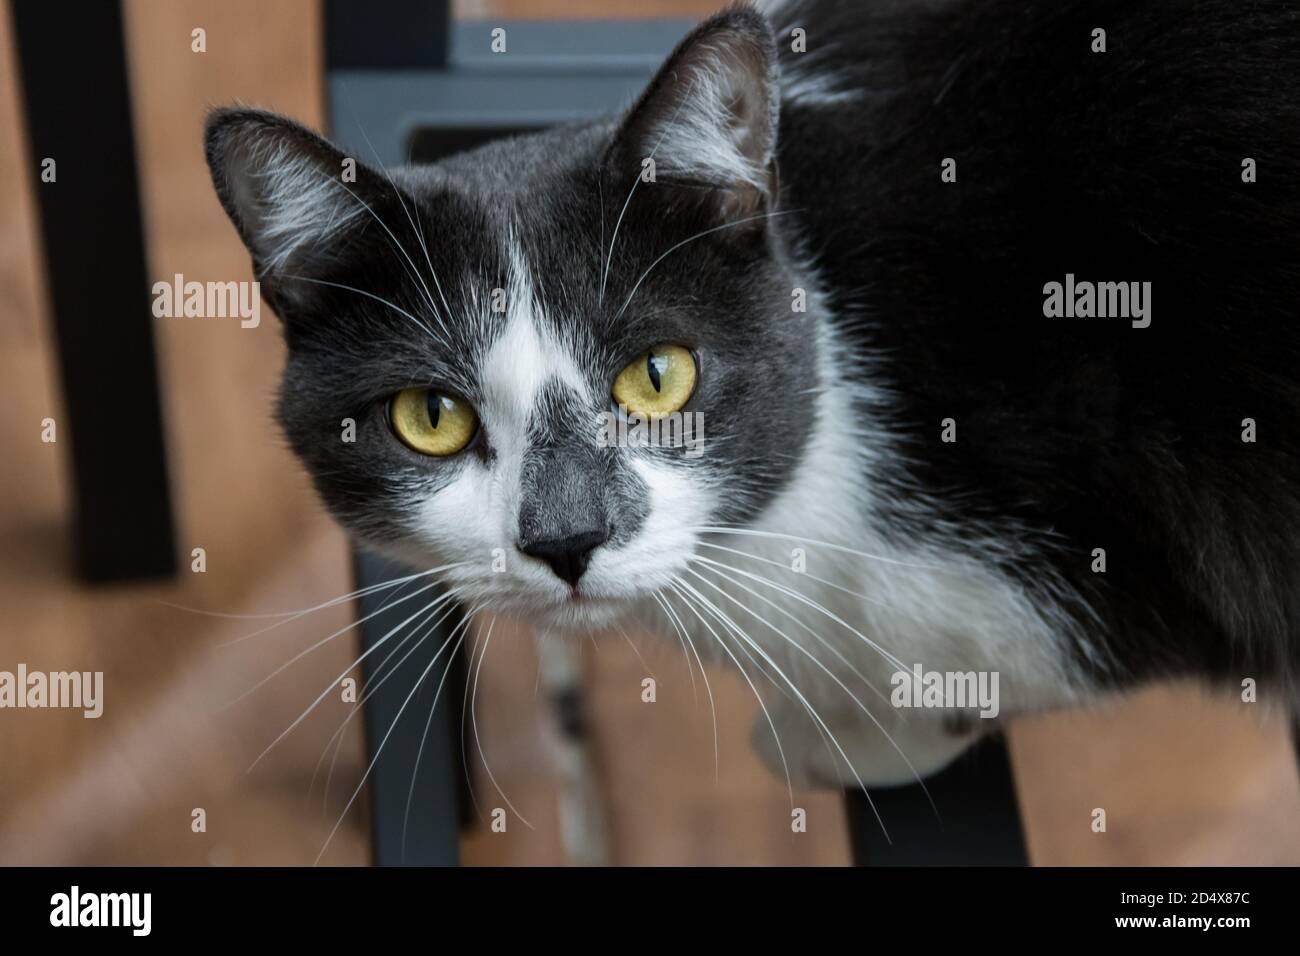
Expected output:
(578, 615)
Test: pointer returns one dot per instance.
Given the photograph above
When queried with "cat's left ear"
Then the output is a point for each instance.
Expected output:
(709, 118)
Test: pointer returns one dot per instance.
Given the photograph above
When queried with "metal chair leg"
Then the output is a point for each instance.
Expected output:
(978, 821)
(98, 286)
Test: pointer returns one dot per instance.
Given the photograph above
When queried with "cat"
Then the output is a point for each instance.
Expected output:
(829, 234)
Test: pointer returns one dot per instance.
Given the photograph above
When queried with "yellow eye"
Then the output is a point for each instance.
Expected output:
(657, 383)
(430, 422)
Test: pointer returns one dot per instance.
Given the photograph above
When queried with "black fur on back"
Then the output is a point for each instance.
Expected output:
(1117, 166)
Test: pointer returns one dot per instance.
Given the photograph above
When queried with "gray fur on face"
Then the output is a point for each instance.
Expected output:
(596, 266)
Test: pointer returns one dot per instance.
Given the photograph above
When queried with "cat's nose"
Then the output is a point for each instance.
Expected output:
(567, 556)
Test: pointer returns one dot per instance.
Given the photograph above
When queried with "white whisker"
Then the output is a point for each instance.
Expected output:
(473, 722)
(824, 669)
(416, 228)
(698, 235)
(685, 654)
(681, 629)
(812, 577)
(380, 749)
(383, 225)
(816, 606)
(292, 615)
(635, 650)
(323, 694)
(824, 544)
(463, 627)
(614, 238)
(812, 712)
(370, 295)
(371, 688)
(785, 766)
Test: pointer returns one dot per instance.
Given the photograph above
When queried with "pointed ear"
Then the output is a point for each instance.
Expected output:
(709, 118)
(296, 200)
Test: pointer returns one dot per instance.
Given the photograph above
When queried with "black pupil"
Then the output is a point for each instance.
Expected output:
(435, 408)
(655, 364)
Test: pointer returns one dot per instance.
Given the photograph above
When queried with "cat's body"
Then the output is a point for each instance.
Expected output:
(1071, 434)
(915, 465)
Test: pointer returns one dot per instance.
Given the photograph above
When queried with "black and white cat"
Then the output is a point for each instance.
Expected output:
(987, 312)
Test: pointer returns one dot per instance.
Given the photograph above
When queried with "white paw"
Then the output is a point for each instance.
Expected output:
(901, 752)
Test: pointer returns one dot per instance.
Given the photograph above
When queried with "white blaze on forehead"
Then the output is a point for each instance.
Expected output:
(515, 369)
(527, 354)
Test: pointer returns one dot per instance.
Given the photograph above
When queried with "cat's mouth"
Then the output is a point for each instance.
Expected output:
(574, 610)
(593, 597)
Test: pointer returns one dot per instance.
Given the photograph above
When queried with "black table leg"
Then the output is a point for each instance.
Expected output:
(415, 769)
(978, 822)
(79, 115)
(416, 782)
(1295, 741)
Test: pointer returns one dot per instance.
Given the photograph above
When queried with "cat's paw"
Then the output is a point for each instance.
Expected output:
(862, 753)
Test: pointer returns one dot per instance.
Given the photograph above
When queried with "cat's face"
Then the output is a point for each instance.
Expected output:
(487, 323)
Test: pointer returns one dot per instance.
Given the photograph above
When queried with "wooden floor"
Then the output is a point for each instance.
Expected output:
(1183, 779)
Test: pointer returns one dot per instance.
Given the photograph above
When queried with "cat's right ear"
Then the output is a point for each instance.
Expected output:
(299, 203)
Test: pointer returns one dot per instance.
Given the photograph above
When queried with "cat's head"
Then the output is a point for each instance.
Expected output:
(481, 320)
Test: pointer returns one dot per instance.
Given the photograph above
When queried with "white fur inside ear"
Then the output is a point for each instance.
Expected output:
(290, 202)
(721, 128)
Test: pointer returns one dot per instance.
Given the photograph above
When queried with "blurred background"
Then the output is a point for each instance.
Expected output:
(1185, 779)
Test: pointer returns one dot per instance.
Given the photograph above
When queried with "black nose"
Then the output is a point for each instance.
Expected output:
(566, 556)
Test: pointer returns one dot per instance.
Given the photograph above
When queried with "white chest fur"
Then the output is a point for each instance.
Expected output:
(831, 607)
